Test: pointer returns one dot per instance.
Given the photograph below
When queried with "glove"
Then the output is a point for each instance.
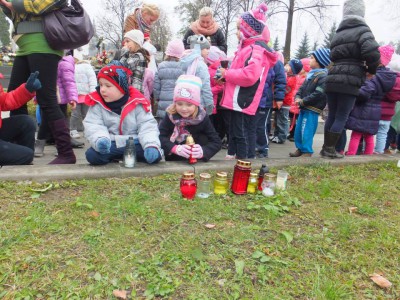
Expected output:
(182, 150)
(33, 83)
(151, 155)
(197, 151)
(103, 144)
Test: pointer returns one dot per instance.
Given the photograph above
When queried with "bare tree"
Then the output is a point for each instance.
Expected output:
(316, 9)
(110, 26)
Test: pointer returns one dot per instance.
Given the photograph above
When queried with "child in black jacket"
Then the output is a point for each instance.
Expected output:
(186, 117)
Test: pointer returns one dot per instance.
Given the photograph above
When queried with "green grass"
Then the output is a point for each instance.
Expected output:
(83, 239)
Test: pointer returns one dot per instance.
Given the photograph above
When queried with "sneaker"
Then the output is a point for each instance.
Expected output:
(230, 157)
(387, 151)
(276, 140)
(75, 134)
(39, 148)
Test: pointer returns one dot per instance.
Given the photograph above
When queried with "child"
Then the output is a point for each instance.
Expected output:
(17, 133)
(245, 80)
(118, 111)
(192, 63)
(292, 68)
(311, 99)
(166, 76)
(364, 119)
(85, 79)
(187, 117)
(135, 58)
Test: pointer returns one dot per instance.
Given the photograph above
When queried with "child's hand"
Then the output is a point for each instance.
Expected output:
(151, 155)
(197, 151)
(73, 104)
(182, 150)
(103, 145)
(33, 83)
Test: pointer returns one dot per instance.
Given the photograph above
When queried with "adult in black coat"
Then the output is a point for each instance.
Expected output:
(206, 26)
(354, 56)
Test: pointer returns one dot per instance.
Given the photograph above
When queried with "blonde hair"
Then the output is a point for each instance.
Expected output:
(172, 110)
(206, 11)
(151, 9)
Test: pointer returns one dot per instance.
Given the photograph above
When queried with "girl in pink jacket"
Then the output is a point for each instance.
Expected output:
(245, 79)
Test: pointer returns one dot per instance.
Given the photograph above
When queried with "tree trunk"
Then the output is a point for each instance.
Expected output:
(288, 40)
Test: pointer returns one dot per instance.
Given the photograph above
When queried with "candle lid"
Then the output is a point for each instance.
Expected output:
(222, 175)
(269, 176)
(188, 175)
(254, 175)
(243, 163)
(190, 140)
(205, 176)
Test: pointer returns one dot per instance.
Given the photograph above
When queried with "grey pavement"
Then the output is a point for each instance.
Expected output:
(278, 158)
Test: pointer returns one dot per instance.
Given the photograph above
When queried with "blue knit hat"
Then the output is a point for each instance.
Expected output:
(322, 55)
(296, 65)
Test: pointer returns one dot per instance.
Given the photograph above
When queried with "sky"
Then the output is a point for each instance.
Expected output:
(382, 24)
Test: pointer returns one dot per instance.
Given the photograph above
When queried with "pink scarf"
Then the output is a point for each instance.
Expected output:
(210, 30)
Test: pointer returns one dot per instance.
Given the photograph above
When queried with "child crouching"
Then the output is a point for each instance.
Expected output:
(186, 117)
(118, 111)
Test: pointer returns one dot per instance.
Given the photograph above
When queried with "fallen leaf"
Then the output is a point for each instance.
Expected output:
(94, 214)
(221, 282)
(210, 226)
(120, 294)
(380, 281)
(353, 209)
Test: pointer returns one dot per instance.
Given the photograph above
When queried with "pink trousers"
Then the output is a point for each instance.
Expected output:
(355, 141)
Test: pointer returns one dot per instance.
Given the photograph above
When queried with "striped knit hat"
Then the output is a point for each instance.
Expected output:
(322, 55)
(252, 23)
(117, 75)
(188, 88)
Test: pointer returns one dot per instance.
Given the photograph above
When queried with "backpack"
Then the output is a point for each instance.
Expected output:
(69, 27)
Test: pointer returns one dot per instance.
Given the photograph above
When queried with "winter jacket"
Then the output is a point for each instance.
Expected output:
(164, 84)
(366, 113)
(217, 39)
(203, 134)
(202, 72)
(388, 103)
(14, 99)
(135, 120)
(290, 91)
(148, 83)
(352, 46)
(137, 63)
(245, 78)
(275, 84)
(312, 92)
(216, 89)
(66, 80)
(85, 78)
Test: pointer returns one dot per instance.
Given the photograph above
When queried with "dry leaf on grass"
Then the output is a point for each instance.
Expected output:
(380, 280)
(120, 294)
(353, 209)
(210, 226)
(94, 214)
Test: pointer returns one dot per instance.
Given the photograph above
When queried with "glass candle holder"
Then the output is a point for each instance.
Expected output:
(221, 183)
(204, 185)
(253, 182)
(281, 179)
(241, 175)
(188, 185)
(268, 184)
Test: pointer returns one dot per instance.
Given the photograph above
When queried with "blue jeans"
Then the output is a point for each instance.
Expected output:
(282, 123)
(306, 127)
(381, 136)
(339, 106)
(263, 115)
(116, 154)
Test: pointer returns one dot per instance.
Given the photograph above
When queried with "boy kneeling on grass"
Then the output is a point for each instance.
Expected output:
(118, 111)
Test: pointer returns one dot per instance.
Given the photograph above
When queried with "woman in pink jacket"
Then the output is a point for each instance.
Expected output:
(245, 81)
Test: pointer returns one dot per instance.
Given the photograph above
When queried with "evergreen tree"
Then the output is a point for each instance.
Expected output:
(276, 44)
(304, 48)
(398, 47)
(4, 30)
(315, 46)
(328, 39)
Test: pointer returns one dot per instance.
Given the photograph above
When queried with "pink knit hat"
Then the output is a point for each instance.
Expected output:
(175, 48)
(253, 23)
(306, 64)
(188, 88)
(386, 54)
(215, 54)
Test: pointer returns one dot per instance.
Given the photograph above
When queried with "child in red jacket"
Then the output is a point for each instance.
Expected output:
(17, 133)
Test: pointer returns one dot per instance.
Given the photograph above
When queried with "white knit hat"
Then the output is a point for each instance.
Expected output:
(353, 8)
(135, 35)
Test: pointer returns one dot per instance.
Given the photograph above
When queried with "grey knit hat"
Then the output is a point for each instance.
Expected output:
(198, 39)
(353, 8)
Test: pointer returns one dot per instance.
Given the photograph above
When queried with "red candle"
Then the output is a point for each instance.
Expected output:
(241, 175)
(188, 185)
